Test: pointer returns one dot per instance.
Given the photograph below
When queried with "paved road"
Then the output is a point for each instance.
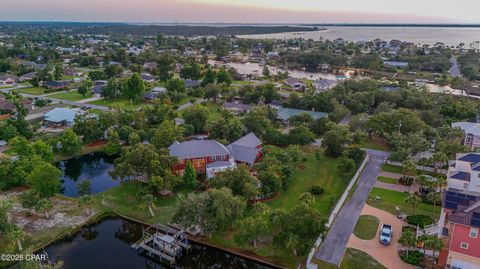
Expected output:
(333, 247)
(55, 100)
(455, 70)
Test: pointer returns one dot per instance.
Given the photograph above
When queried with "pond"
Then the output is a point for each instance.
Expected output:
(108, 245)
(94, 167)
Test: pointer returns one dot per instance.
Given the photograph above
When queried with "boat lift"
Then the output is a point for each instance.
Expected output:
(165, 242)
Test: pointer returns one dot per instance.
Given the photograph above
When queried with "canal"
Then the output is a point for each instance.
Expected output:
(94, 167)
(108, 245)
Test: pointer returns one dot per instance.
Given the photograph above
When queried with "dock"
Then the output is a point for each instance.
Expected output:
(164, 242)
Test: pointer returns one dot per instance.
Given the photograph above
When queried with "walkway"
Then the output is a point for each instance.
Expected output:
(386, 255)
(334, 245)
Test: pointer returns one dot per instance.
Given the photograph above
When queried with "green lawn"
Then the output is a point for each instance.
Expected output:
(366, 227)
(392, 168)
(375, 143)
(215, 111)
(122, 103)
(123, 200)
(321, 173)
(354, 259)
(313, 172)
(71, 96)
(388, 180)
(32, 90)
(389, 200)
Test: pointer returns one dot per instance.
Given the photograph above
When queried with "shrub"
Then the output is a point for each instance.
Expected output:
(414, 257)
(317, 190)
(420, 220)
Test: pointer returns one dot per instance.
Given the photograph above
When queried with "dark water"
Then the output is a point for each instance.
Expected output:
(93, 166)
(108, 245)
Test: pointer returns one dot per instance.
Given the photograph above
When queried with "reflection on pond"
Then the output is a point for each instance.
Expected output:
(108, 245)
(93, 166)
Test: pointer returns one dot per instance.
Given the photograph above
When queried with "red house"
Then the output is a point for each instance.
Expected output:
(210, 156)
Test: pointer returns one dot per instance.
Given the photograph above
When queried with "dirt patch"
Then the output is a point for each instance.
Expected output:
(64, 213)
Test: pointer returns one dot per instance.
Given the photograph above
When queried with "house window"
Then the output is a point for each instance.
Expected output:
(464, 245)
(473, 232)
(465, 185)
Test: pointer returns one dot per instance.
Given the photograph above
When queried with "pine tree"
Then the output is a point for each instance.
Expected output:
(189, 176)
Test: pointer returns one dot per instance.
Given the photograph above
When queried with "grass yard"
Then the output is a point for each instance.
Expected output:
(71, 96)
(123, 200)
(392, 168)
(32, 90)
(322, 173)
(354, 259)
(214, 110)
(122, 103)
(388, 180)
(389, 200)
(313, 172)
(366, 227)
(375, 143)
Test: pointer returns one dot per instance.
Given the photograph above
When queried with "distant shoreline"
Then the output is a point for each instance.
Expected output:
(224, 24)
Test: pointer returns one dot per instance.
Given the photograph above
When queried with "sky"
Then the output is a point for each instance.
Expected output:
(244, 11)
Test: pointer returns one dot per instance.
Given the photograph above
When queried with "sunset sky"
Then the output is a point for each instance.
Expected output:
(246, 11)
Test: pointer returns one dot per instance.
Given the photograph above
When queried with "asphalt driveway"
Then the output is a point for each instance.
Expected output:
(333, 247)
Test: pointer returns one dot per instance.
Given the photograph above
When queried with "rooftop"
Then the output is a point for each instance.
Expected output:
(197, 149)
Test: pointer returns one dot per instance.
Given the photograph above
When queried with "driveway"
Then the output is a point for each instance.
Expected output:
(386, 255)
(333, 247)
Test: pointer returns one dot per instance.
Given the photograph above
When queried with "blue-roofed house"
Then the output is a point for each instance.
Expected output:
(247, 150)
(210, 156)
(61, 116)
(459, 221)
(189, 83)
(284, 114)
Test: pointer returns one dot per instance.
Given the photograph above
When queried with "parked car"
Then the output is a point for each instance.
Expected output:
(386, 234)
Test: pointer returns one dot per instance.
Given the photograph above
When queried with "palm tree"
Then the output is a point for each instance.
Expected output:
(434, 243)
(15, 234)
(438, 160)
(413, 199)
(433, 196)
(409, 169)
(408, 239)
(148, 199)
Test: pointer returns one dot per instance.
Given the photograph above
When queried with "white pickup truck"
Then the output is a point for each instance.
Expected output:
(386, 234)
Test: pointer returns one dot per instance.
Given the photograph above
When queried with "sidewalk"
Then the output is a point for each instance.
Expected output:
(386, 255)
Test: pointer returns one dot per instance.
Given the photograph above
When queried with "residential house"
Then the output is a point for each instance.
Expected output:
(190, 83)
(150, 66)
(7, 107)
(246, 150)
(276, 104)
(160, 90)
(57, 85)
(420, 82)
(321, 85)
(210, 157)
(201, 153)
(284, 114)
(8, 79)
(460, 217)
(471, 133)
(148, 78)
(27, 76)
(295, 84)
(61, 116)
(236, 107)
